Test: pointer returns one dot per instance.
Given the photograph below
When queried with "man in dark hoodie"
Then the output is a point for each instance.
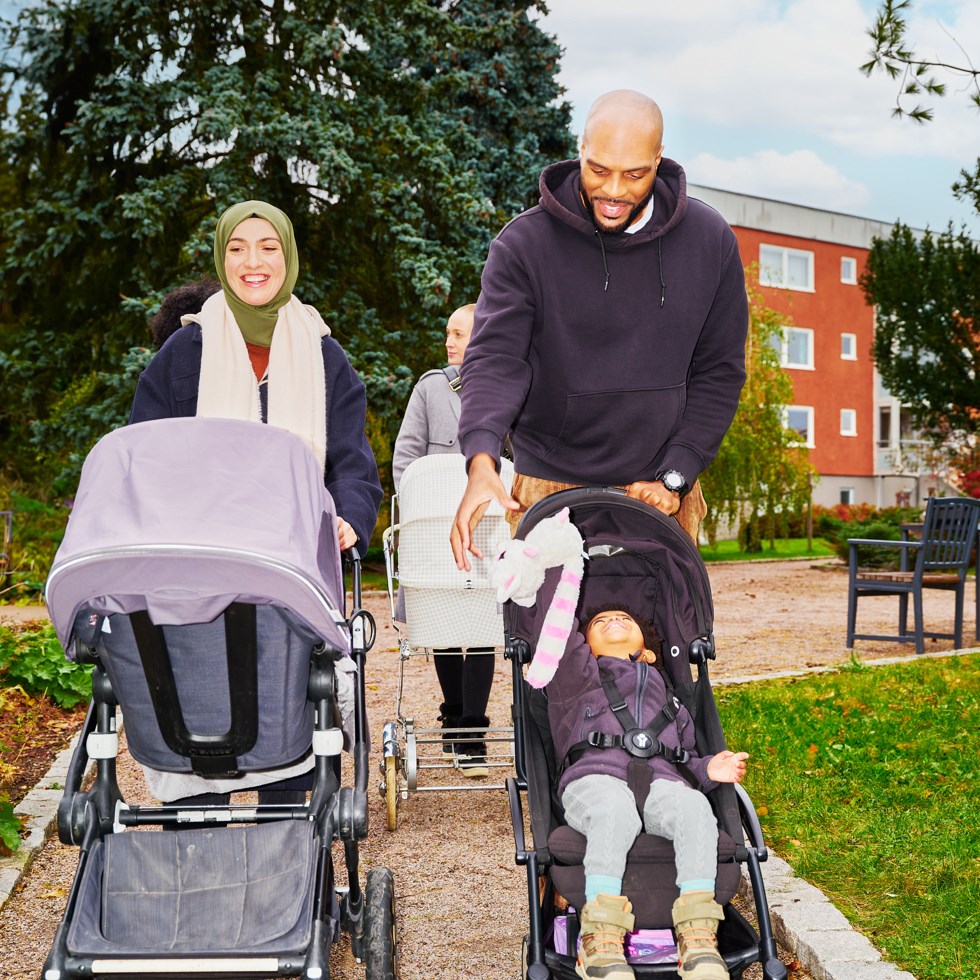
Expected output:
(609, 336)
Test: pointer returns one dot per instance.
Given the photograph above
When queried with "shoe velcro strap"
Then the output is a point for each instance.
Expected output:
(614, 917)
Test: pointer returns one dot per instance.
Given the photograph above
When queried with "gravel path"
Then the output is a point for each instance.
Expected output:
(461, 899)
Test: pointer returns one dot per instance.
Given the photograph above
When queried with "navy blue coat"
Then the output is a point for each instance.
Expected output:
(168, 389)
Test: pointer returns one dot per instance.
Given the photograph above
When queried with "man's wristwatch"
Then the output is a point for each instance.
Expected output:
(675, 481)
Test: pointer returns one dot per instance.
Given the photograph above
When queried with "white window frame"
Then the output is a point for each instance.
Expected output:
(850, 493)
(848, 422)
(810, 444)
(850, 277)
(770, 275)
(784, 348)
(853, 355)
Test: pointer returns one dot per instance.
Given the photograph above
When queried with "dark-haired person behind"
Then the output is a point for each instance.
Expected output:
(178, 303)
(255, 352)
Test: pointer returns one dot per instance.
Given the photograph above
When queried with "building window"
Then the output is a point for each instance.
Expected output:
(848, 347)
(787, 268)
(848, 422)
(795, 347)
(800, 419)
(849, 270)
(847, 495)
(884, 426)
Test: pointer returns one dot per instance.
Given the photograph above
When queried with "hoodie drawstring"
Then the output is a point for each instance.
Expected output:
(605, 267)
(660, 257)
(660, 260)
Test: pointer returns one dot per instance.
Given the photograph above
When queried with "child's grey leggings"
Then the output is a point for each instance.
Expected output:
(604, 809)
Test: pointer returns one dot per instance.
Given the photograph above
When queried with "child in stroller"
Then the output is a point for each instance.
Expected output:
(579, 554)
(605, 793)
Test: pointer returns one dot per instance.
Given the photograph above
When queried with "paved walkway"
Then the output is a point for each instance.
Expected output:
(805, 921)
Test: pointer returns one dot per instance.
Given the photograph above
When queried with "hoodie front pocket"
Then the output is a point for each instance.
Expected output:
(623, 431)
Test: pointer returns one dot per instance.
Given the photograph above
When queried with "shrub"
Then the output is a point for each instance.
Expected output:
(32, 658)
(870, 556)
(37, 532)
(970, 483)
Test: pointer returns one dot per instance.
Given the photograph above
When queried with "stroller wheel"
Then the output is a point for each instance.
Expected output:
(381, 950)
(391, 790)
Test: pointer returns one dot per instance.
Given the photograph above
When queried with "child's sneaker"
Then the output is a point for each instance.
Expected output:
(696, 917)
(604, 923)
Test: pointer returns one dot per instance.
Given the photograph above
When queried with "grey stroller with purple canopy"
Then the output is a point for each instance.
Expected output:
(200, 574)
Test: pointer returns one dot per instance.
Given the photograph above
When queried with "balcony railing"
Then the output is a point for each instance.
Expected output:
(908, 457)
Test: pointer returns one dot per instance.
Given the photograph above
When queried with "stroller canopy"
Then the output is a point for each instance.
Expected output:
(637, 557)
(181, 517)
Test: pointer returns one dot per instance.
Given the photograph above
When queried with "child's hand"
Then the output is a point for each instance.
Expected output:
(727, 767)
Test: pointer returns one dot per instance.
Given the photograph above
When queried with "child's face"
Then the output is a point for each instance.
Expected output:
(614, 633)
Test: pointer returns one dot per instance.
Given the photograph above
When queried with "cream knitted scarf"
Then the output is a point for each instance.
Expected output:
(297, 388)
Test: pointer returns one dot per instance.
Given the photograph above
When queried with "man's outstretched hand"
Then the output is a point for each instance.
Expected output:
(482, 486)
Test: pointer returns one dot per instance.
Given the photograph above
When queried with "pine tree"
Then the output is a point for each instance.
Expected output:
(398, 137)
(926, 290)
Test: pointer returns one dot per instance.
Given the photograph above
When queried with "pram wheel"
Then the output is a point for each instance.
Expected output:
(381, 950)
(391, 790)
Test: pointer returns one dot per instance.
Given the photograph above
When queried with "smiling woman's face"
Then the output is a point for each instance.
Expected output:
(255, 263)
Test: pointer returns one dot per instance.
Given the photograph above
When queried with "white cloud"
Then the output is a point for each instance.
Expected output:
(800, 177)
(760, 65)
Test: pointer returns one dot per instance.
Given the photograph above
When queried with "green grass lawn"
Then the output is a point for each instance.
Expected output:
(867, 781)
(785, 548)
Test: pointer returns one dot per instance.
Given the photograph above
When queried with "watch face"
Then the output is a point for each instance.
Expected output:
(672, 480)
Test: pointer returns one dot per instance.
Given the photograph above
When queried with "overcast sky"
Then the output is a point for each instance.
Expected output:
(765, 97)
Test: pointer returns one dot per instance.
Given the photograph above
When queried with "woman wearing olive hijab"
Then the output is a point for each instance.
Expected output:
(256, 352)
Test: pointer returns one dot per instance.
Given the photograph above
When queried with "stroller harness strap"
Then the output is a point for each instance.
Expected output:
(210, 755)
(641, 743)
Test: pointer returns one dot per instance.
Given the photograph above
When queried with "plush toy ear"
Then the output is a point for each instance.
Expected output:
(517, 574)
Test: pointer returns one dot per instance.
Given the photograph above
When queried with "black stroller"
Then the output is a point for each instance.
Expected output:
(639, 557)
(200, 574)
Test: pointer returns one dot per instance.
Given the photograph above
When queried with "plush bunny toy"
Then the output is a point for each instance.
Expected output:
(519, 573)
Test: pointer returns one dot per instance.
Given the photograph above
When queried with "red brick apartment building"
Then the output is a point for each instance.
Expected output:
(810, 262)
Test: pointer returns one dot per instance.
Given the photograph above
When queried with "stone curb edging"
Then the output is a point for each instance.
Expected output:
(39, 808)
(804, 920)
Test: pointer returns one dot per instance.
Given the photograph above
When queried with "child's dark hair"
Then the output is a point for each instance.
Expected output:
(188, 298)
(651, 638)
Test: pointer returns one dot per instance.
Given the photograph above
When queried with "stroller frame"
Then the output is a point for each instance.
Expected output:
(409, 749)
(85, 816)
(739, 943)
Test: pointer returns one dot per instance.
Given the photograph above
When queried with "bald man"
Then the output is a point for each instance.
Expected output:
(609, 335)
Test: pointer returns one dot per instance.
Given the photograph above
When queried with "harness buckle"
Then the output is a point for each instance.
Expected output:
(640, 743)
